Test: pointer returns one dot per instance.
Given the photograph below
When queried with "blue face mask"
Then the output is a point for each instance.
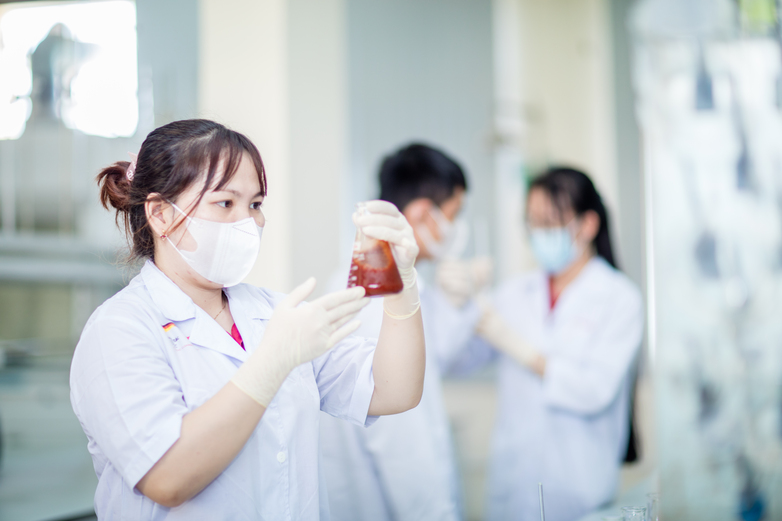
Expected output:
(554, 248)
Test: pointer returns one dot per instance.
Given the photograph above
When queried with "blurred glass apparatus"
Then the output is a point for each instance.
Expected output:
(72, 64)
(373, 266)
(710, 176)
(653, 507)
(634, 513)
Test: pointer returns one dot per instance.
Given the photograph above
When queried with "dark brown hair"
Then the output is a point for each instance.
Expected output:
(171, 159)
(418, 170)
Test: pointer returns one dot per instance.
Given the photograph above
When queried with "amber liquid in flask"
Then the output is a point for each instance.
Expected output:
(373, 266)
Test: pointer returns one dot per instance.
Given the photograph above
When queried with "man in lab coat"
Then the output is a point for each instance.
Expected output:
(403, 468)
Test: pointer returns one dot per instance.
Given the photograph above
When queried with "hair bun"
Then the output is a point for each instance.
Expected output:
(115, 187)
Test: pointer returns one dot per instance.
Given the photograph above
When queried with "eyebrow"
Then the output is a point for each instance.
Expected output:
(237, 193)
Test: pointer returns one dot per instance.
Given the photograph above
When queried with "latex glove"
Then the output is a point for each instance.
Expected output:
(297, 334)
(495, 330)
(462, 280)
(386, 223)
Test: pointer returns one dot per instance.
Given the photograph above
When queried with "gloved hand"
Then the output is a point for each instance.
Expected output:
(297, 334)
(386, 223)
(462, 280)
(495, 330)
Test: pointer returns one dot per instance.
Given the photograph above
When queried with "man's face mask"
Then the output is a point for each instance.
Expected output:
(453, 235)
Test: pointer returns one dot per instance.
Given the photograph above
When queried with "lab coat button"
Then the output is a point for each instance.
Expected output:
(281, 457)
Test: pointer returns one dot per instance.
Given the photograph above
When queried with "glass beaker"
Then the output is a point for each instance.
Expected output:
(373, 266)
(634, 513)
(653, 507)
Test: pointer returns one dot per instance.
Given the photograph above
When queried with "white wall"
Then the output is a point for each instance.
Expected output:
(628, 153)
(318, 83)
(421, 70)
(275, 70)
(336, 84)
(243, 80)
(567, 89)
(512, 253)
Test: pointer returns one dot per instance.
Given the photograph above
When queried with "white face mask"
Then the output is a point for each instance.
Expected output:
(453, 235)
(225, 252)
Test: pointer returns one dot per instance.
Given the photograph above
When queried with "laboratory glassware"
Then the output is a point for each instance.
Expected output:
(653, 507)
(634, 513)
(373, 266)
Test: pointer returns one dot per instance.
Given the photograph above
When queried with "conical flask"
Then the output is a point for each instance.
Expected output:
(373, 266)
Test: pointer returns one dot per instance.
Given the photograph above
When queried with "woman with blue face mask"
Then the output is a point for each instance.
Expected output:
(566, 336)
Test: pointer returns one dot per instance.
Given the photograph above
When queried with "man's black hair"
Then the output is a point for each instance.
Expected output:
(419, 171)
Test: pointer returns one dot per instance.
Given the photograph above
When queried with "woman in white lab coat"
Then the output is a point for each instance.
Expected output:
(200, 396)
(567, 336)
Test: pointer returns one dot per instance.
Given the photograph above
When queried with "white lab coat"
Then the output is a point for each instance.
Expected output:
(569, 429)
(403, 467)
(132, 382)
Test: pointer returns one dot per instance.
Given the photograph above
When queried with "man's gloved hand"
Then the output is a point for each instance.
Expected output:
(461, 280)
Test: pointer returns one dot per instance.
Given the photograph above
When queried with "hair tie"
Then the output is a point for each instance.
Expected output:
(131, 171)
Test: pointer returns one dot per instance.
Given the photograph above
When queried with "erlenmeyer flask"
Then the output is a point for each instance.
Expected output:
(373, 266)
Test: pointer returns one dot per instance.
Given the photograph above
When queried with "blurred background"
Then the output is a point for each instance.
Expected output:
(325, 88)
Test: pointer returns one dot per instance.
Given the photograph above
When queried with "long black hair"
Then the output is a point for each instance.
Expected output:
(569, 188)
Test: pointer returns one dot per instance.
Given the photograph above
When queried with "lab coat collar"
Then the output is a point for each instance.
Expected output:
(172, 302)
(591, 276)
(176, 306)
(254, 307)
(208, 333)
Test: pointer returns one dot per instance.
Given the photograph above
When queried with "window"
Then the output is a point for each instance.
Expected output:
(68, 106)
(70, 63)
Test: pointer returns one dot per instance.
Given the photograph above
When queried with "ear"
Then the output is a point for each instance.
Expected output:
(160, 214)
(416, 210)
(590, 225)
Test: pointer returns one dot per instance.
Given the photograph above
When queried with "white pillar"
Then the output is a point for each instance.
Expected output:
(243, 80)
(567, 89)
(512, 252)
(276, 71)
(317, 43)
